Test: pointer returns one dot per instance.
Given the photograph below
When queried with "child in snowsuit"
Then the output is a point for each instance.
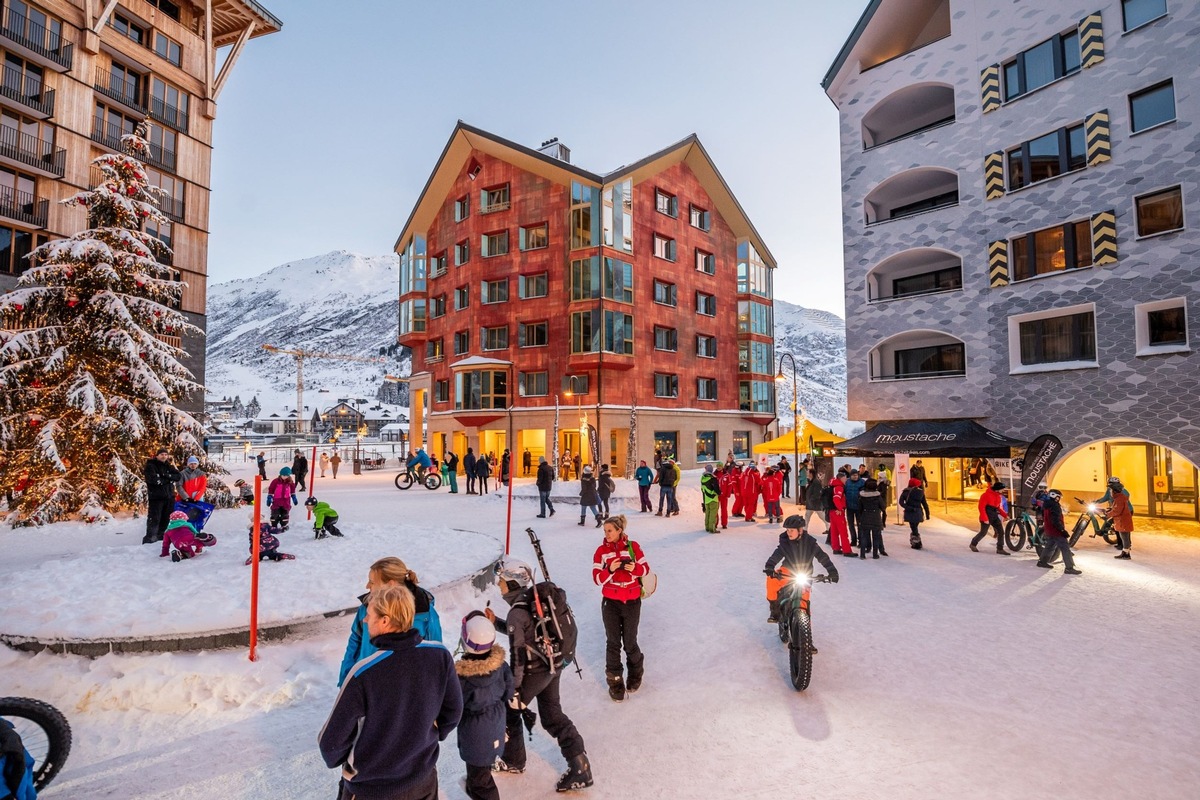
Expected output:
(487, 686)
(268, 545)
(181, 541)
(324, 518)
(245, 492)
(281, 496)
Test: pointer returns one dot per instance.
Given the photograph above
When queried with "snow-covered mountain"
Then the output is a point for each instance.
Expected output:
(344, 303)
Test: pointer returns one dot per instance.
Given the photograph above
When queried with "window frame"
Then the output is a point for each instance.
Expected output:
(666, 339)
(701, 384)
(706, 259)
(669, 381)
(542, 328)
(462, 342)
(462, 252)
(1143, 23)
(1143, 330)
(701, 338)
(668, 251)
(537, 279)
(462, 208)
(1137, 215)
(462, 297)
(665, 289)
(502, 201)
(1067, 162)
(1017, 367)
(1134, 130)
(493, 291)
(695, 213)
(485, 243)
(435, 350)
(1060, 67)
(940, 350)
(671, 207)
(703, 301)
(488, 332)
(524, 231)
(1070, 251)
(542, 382)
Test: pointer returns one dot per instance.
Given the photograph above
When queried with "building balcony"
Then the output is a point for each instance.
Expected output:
(171, 207)
(28, 93)
(23, 208)
(918, 354)
(169, 115)
(32, 40)
(110, 136)
(913, 273)
(28, 152)
(126, 93)
(907, 112)
(911, 192)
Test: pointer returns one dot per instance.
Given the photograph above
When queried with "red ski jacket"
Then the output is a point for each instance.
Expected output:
(621, 585)
(772, 487)
(839, 494)
(751, 484)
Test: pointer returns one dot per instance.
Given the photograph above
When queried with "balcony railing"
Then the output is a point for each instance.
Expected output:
(32, 151)
(169, 115)
(905, 376)
(170, 206)
(24, 207)
(126, 92)
(36, 39)
(499, 205)
(110, 135)
(27, 90)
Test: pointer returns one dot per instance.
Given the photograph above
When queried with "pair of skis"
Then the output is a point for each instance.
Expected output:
(543, 620)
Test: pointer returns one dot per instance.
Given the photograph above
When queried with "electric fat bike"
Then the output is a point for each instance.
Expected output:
(1025, 529)
(1092, 516)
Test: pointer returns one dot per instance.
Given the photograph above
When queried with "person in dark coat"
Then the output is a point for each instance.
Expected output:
(666, 487)
(793, 556)
(1056, 534)
(452, 471)
(589, 498)
(505, 466)
(160, 478)
(916, 510)
(487, 687)
(870, 526)
(785, 468)
(605, 486)
(262, 464)
(482, 470)
(545, 482)
(526, 462)
(578, 462)
(469, 469)
(394, 708)
(300, 470)
(813, 504)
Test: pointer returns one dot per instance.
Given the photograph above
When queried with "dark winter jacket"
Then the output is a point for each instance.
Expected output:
(469, 463)
(392, 711)
(871, 509)
(812, 497)
(1052, 518)
(605, 486)
(452, 464)
(797, 555)
(545, 477)
(482, 468)
(666, 475)
(587, 490)
(710, 488)
(853, 489)
(487, 686)
(916, 509)
(426, 622)
(521, 638)
(300, 467)
(161, 478)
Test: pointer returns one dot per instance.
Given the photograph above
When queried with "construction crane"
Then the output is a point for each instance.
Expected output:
(300, 355)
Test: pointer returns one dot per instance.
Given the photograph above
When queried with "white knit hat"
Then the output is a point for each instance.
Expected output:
(478, 634)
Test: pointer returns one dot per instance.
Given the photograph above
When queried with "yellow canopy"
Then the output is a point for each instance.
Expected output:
(786, 444)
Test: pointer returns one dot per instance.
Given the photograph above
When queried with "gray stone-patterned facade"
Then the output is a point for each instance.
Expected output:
(1123, 395)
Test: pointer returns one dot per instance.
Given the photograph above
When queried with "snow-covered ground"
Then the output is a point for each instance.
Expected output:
(942, 673)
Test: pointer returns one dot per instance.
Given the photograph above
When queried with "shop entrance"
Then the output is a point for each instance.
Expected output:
(1161, 482)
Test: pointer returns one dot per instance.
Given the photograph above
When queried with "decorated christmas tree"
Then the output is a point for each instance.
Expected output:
(89, 380)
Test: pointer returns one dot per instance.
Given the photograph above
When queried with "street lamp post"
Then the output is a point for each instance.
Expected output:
(795, 422)
(583, 430)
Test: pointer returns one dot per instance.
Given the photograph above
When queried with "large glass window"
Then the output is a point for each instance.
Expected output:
(1052, 250)
(585, 220)
(1139, 12)
(937, 281)
(1057, 339)
(618, 280)
(756, 396)
(15, 245)
(30, 22)
(1160, 212)
(168, 48)
(1049, 156)
(741, 444)
(756, 357)
(611, 331)
(585, 335)
(480, 389)
(667, 443)
(588, 282)
(412, 316)
(533, 334)
(168, 103)
(754, 277)
(126, 26)
(618, 333)
(754, 317)
(618, 216)
(412, 266)
(938, 360)
(706, 445)
(1152, 106)
(1167, 326)
(1041, 64)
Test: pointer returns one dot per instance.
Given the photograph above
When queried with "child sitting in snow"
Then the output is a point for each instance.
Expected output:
(181, 539)
(245, 492)
(487, 687)
(281, 496)
(268, 545)
(324, 518)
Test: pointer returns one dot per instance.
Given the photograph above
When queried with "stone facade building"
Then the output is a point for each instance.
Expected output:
(1020, 198)
(531, 289)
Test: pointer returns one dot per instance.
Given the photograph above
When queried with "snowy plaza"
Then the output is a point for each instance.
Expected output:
(941, 673)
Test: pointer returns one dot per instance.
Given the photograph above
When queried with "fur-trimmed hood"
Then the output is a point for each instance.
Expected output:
(478, 667)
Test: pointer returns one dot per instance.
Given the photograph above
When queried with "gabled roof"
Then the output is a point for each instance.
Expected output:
(843, 54)
(466, 138)
(230, 18)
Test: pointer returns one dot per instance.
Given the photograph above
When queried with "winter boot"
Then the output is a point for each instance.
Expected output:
(581, 521)
(1044, 565)
(175, 556)
(1124, 555)
(599, 522)
(774, 616)
(502, 766)
(552, 511)
(1000, 552)
(1072, 571)
(577, 776)
(634, 683)
(616, 688)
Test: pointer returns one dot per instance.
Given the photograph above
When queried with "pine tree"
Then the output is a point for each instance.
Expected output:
(253, 408)
(89, 385)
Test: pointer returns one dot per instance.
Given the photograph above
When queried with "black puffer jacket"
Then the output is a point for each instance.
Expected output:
(812, 496)
(161, 478)
(587, 490)
(797, 555)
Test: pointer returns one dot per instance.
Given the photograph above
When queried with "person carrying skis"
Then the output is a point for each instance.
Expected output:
(487, 687)
(616, 567)
(534, 680)
(324, 518)
(792, 558)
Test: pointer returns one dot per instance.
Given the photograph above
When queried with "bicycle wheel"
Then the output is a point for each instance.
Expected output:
(403, 480)
(1016, 533)
(800, 651)
(1110, 535)
(44, 732)
(433, 481)
(1080, 526)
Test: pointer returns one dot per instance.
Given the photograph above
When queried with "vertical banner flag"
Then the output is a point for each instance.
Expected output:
(1035, 465)
(594, 444)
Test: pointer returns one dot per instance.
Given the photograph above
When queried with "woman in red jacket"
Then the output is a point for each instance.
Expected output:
(616, 568)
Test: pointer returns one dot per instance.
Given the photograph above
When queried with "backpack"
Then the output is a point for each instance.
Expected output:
(904, 498)
(556, 627)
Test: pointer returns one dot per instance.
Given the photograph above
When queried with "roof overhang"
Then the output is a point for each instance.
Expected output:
(844, 54)
(230, 18)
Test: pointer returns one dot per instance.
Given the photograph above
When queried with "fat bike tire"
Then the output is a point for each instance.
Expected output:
(783, 627)
(44, 732)
(1077, 531)
(1110, 535)
(432, 482)
(800, 651)
(1015, 535)
(403, 480)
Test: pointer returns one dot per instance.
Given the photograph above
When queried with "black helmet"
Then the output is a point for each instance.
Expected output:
(794, 521)
(1113, 480)
(312, 501)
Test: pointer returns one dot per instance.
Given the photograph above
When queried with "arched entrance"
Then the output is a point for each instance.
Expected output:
(1161, 481)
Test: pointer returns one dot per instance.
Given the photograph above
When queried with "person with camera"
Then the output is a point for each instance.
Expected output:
(616, 567)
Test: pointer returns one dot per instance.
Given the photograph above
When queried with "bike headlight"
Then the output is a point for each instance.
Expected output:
(802, 580)
(1092, 508)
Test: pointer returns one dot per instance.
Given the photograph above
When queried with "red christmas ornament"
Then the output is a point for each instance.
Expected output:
(34, 422)
(35, 384)
(72, 303)
(110, 489)
(18, 306)
(132, 191)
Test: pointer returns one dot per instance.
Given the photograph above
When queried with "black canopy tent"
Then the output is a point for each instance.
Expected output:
(960, 438)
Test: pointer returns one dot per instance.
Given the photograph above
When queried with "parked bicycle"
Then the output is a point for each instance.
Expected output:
(795, 624)
(430, 480)
(1025, 529)
(43, 732)
(1093, 516)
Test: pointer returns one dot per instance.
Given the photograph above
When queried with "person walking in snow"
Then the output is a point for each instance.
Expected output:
(469, 469)
(487, 688)
(589, 498)
(394, 708)
(482, 470)
(710, 495)
(666, 487)
(386, 572)
(334, 463)
(870, 533)
(324, 461)
(300, 469)
(785, 469)
(772, 490)
(605, 486)
(526, 463)
(616, 567)
(545, 482)
(160, 479)
(261, 461)
(916, 510)
(838, 530)
(991, 514)
(853, 486)
(813, 497)
(644, 477)
(1056, 534)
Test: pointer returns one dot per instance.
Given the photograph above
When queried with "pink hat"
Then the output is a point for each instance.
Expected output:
(178, 515)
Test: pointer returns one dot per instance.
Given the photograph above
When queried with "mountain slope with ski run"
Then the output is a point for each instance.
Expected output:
(345, 303)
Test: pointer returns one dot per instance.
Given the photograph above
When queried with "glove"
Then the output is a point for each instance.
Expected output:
(295, 500)
(269, 499)
(515, 703)
(833, 577)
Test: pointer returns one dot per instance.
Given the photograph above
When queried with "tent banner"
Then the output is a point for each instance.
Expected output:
(1035, 466)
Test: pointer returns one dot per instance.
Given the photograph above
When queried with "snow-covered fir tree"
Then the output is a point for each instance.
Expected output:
(89, 382)
(253, 408)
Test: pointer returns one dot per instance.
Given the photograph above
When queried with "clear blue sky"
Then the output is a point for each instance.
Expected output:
(327, 131)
